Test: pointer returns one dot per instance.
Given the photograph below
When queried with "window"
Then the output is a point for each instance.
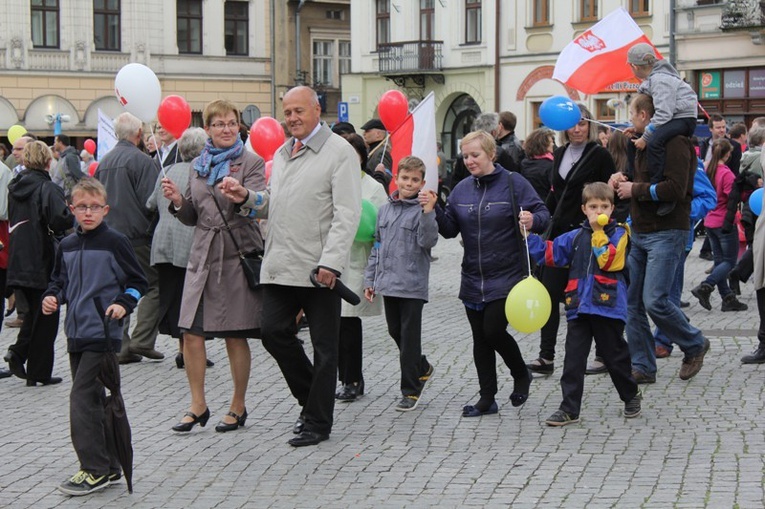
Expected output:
(106, 24)
(588, 10)
(189, 35)
(344, 57)
(541, 13)
(338, 15)
(472, 21)
(383, 22)
(322, 62)
(331, 57)
(639, 7)
(45, 23)
(603, 111)
(427, 19)
(236, 28)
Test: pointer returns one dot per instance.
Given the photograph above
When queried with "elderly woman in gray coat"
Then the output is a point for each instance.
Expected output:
(217, 302)
(171, 244)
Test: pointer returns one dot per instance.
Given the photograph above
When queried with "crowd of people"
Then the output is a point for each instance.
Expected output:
(607, 217)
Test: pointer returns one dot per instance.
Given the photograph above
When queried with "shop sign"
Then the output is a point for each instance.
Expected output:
(709, 85)
(733, 85)
(757, 83)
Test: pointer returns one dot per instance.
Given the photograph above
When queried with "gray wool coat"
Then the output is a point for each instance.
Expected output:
(214, 273)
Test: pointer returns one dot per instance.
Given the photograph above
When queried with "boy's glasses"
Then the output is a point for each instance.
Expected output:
(93, 208)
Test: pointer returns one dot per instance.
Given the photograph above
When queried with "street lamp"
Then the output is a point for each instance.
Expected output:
(55, 121)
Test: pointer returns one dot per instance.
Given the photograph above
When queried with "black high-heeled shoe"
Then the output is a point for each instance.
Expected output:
(179, 362)
(223, 427)
(51, 381)
(183, 427)
(350, 392)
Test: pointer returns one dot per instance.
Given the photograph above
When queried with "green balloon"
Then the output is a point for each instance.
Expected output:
(366, 231)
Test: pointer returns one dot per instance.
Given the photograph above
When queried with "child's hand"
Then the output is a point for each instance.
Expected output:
(233, 190)
(49, 305)
(427, 200)
(639, 143)
(369, 294)
(116, 312)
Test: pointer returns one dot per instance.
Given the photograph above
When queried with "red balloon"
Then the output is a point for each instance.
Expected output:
(393, 109)
(174, 114)
(266, 136)
(269, 165)
(92, 168)
(90, 146)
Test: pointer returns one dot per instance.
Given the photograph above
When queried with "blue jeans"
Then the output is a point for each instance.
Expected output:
(725, 252)
(674, 295)
(653, 261)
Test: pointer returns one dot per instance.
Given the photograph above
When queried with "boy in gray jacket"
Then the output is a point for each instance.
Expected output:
(676, 109)
(398, 269)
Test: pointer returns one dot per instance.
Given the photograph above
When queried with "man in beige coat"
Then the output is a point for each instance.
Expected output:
(313, 211)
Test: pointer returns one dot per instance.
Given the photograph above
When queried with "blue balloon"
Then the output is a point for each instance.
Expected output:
(559, 113)
(755, 201)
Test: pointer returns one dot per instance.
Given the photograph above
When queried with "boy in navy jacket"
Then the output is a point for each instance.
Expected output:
(595, 300)
(398, 269)
(96, 273)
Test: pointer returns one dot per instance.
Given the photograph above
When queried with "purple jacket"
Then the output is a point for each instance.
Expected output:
(480, 209)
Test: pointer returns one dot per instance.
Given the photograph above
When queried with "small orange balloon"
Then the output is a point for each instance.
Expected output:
(602, 219)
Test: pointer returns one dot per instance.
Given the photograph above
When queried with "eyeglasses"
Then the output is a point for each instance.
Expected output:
(93, 208)
(221, 126)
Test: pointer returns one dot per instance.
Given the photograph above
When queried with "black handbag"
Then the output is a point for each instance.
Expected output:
(251, 262)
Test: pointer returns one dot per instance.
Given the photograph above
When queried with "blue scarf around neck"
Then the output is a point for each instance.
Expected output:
(215, 163)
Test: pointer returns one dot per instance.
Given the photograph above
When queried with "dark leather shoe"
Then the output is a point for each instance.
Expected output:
(149, 353)
(307, 438)
(756, 357)
(643, 378)
(129, 358)
(15, 364)
(5, 373)
(297, 428)
(350, 392)
(184, 427)
(50, 381)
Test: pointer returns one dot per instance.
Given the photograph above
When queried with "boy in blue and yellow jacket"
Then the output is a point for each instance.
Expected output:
(595, 300)
(96, 274)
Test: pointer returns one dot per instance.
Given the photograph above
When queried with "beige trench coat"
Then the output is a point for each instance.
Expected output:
(214, 272)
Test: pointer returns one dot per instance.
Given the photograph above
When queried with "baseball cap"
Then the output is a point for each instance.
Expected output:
(639, 54)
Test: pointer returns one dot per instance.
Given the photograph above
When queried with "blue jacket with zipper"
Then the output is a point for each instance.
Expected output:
(93, 270)
(480, 208)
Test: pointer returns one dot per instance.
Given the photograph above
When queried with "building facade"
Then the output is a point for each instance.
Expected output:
(61, 56)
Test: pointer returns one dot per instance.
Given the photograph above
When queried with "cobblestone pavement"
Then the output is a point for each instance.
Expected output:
(697, 444)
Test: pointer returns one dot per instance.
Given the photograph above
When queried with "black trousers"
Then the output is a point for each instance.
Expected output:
(170, 280)
(95, 448)
(404, 318)
(34, 344)
(761, 310)
(745, 266)
(490, 337)
(349, 360)
(313, 385)
(608, 334)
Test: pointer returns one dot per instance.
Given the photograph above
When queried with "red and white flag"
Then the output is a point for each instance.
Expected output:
(416, 136)
(598, 57)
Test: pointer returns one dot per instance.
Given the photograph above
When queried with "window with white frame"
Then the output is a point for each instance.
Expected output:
(331, 58)
(472, 21)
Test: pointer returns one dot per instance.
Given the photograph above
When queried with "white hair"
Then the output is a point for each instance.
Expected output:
(126, 126)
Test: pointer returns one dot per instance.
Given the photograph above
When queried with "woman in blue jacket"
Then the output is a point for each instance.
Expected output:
(482, 208)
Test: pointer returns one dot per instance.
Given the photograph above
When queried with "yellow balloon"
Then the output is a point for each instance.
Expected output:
(528, 306)
(602, 219)
(16, 132)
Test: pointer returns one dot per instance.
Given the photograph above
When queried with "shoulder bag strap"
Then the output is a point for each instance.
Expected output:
(228, 228)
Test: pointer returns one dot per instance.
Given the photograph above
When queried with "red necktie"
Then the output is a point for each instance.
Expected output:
(296, 147)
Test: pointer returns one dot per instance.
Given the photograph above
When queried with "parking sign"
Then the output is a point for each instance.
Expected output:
(342, 112)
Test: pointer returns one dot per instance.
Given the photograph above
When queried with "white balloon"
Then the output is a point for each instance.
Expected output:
(138, 90)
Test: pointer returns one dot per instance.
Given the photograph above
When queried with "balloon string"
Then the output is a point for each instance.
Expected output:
(603, 124)
(528, 257)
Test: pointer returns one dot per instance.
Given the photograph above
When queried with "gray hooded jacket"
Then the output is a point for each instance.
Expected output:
(672, 97)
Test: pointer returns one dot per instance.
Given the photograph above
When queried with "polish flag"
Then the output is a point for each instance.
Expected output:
(416, 136)
(598, 57)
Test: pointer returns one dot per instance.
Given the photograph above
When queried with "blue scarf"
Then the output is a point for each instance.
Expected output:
(215, 163)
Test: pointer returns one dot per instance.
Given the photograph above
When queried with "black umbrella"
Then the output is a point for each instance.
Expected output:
(117, 425)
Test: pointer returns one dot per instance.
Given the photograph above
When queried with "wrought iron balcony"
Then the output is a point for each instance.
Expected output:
(743, 14)
(409, 57)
